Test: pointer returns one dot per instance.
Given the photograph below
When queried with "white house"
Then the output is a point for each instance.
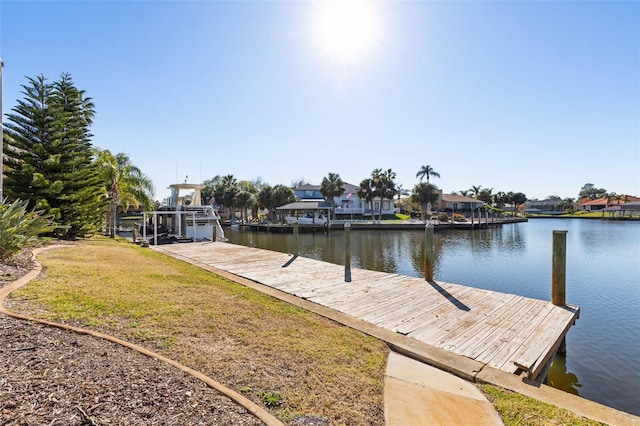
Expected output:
(347, 203)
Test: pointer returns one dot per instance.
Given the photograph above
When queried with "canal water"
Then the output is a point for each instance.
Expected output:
(603, 278)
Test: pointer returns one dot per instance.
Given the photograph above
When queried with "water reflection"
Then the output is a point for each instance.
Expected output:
(560, 378)
(603, 266)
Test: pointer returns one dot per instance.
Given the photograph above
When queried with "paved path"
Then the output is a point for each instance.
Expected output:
(418, 394)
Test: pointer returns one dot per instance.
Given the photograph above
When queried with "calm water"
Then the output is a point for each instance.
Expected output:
(603, 278)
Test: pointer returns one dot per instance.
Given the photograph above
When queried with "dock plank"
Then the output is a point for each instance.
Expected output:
(506, 331)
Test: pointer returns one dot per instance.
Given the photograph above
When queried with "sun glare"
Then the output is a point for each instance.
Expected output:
(346, 31)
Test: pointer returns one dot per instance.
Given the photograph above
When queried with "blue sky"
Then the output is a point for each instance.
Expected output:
(536, 97)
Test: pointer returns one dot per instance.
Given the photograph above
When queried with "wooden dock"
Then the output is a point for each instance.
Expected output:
(386, 226)
(509, 332)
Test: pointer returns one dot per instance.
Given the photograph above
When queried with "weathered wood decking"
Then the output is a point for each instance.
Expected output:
(508, 332)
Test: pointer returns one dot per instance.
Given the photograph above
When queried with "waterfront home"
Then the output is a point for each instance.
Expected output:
(454, 202)
(548, 206)
(589, 205)
(347, 203)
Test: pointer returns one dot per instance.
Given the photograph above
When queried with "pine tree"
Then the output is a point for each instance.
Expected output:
(49, 158)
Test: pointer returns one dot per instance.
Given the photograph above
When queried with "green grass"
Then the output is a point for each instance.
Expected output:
(295, 362)
(284, 357)
(516, 410)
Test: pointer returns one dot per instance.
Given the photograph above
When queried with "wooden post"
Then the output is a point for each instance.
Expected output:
(295, 238)
(347, 252)
(558, 268)
(155, 229)
(428, 252)
(472, 218)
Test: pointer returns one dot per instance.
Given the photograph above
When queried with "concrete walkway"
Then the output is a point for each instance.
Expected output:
(418, 394)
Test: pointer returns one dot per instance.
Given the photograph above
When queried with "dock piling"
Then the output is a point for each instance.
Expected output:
(558, 268)
(347, 252)
(428, 252)
(296, 248)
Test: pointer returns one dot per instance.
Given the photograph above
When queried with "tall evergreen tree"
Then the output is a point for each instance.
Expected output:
(49, 159)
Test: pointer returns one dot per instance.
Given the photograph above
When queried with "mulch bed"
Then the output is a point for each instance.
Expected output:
(52, 376)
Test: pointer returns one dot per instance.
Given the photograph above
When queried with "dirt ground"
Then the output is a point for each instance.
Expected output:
(56, 377)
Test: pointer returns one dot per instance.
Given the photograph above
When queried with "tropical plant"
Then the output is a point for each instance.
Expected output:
(402, 192)
(332, 186)
(618, 198)
(125, 185)
(281, 195)
(500, 199)
(244, 200)
(486, 195)
(475, 191)
(49, 156)
(265, 201)
(366, 192)
(424, 194)
(517, 199)
(566, 204)
(224, 193)
(209, 189)
(427, 171)
(248, 196)
(384, 186)
(20, 228)
(271, 197)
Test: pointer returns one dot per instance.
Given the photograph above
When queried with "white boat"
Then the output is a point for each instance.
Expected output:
(183, 218)
(306, 220)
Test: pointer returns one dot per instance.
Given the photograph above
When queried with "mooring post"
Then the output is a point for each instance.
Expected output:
(559, 268)
(347, 252)
(295, 238)
(428, 252)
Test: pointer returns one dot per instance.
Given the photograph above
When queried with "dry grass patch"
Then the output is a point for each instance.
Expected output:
(291, 360)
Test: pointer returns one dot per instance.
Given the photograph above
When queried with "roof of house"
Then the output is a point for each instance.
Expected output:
(307, 187)
(305, 205)
(604, 200)
(348, 188)
(455, 198)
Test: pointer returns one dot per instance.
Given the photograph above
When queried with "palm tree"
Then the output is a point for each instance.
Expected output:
(517, 199)
(566, 204)
(125, 185)
(426, 171)
(384, 186)
(244, 201)
(332, 186)
(247, 197)
(486, 195)
(424, 194)
(401, 192)
(475, 190)
(365, 192)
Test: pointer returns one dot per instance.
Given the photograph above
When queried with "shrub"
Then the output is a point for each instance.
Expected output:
(459, 217)
(20, 229)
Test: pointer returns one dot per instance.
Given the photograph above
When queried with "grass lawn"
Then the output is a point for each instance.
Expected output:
(291, 360)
